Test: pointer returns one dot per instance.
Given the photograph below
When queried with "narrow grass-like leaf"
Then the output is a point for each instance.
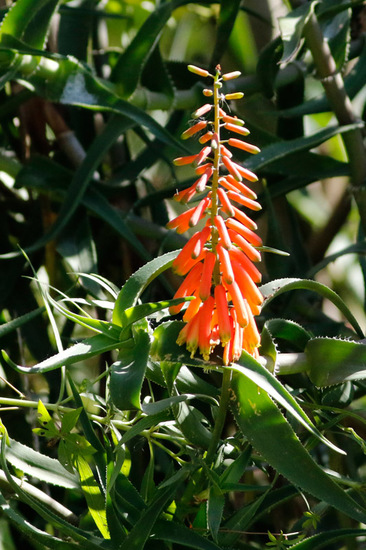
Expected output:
(14, 324)
(282, 149)
(83, 350)
(262, 423)
(228, 13)
(215, 509)
(279, 286)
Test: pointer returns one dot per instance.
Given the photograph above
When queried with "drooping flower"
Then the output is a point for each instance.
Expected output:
(217, 261)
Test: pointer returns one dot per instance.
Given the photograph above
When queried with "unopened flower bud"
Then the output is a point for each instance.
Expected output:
(198, 71)
(231, 76)
(202, 110)
(235, 95)
(208, 93)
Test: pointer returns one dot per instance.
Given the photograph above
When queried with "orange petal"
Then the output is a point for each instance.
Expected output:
(235, 128)
(199, 212)
(206, 278)
(238, 302)
(194, 129)
(205, 327)
(244, 146)
(187, 288)
(249, 235)
(249, 203)
(238, 256)
(223, 233)
(247, 286)
(243, 218)
(225, 265)
(225, 202)
(222, 310)
(249, 250)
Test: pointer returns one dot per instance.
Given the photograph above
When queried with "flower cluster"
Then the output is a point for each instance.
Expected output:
(217, 261)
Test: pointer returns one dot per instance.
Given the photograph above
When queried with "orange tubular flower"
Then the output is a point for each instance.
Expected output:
(217, 261)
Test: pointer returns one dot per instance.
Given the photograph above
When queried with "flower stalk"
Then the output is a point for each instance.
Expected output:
(217, 261)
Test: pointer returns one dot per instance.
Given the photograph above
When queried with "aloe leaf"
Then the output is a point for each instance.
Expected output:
(279, 286)
(139, 534)
(128, 372)
(145, 424)
(163, 404)
(281, 149)
(262, 423)
(174, 532)
(165, 348)
(291, 28)
(250, 368)
(29, 20)
(40, 466)
(33, 533)
(135, 313)
(136, 284)
(215, 509)
(290, 331)
(93, 496)
(226, 20)
(74, 532)
(356, 248)
(83, 350)
(332, 361)
(321, 540)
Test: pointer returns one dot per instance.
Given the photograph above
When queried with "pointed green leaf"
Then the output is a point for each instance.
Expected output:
(279, 286)
(128, 372)
(291, 28)
(174, 532)
(282, 149)
(322, 540)
(28, 20)
(136, 284)
(215, 509)
(141, 531)
(333, 361)
(135, 313)
(258, 374)
(83, 350)
(93, 496)
(40, 466)
(268, 431)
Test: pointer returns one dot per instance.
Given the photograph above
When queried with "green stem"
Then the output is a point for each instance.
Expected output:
(339, 101)
(220, 420)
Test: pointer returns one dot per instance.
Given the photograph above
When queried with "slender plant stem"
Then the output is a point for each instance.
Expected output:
(339, 101)
(220, 420)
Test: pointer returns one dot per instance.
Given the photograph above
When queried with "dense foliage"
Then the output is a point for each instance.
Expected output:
(113, 435)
